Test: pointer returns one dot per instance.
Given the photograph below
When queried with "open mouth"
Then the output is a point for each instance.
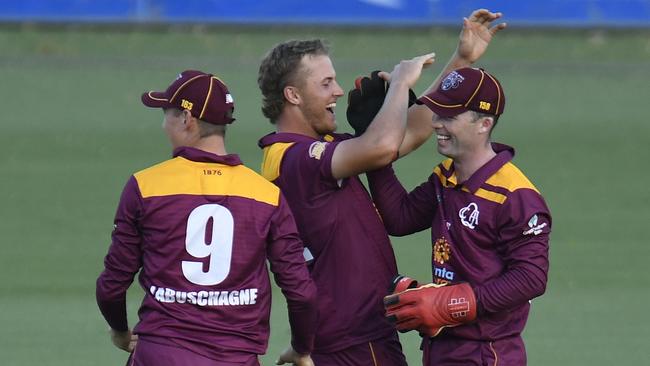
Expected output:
(330, 107)
(443, 137)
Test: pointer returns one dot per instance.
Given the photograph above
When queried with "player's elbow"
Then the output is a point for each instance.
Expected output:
(539, 287)
(304, 299)
(386, 151)
(396, 229)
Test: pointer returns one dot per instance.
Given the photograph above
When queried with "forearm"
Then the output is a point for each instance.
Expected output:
(386, 132)
(303, 322)
(400, 212)
(113, 308)
(519, 283)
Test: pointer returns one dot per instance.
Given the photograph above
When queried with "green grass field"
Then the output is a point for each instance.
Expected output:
(73, 130)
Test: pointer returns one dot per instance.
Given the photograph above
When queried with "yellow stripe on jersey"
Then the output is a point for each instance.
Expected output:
(182, 176)
(490, 196)
(272, 159)
(510, 178)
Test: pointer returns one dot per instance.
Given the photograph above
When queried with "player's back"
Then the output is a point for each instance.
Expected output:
(204, 227)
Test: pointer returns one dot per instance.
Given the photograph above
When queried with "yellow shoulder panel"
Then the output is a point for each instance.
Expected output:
(272, 159)
(511, 178)
(182, 176)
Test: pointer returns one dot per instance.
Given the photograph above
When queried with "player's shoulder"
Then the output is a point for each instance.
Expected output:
(511, 178)
(256, 180)
(272, 159)
(155, 171)
(247, 183)
(180, 176)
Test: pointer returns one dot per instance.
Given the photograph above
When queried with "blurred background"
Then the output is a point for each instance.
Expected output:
(72, 130)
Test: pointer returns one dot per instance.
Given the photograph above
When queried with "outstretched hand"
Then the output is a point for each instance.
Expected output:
(409, 71)
(477, 34)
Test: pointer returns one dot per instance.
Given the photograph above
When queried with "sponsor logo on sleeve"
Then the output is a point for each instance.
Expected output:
(317, 149)
(469, 215)
(535, 228)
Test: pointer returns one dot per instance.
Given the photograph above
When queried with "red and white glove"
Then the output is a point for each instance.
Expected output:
(430, 308)
(401, 283)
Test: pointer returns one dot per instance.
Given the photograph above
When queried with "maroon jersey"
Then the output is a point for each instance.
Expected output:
(353, 260)
(200, 228)
(491, 231)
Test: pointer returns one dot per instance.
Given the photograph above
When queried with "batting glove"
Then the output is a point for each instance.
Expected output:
(431, 308)
(366, 99)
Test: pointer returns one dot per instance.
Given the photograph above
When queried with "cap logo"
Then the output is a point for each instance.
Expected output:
(484, 106)
(452, 81)
(229, 99)
(186, 104)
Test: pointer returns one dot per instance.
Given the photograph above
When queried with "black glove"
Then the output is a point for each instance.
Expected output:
(366, 99)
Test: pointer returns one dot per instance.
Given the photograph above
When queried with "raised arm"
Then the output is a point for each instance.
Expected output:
(378, 146)
(474, 39)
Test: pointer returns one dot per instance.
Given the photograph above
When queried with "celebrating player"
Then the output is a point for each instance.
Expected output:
(350, 256)
(200, 227)
(489, 232)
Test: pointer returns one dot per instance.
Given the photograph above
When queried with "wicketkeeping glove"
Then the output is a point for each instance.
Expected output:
(401, 283)
(430, 308)
(365, 101)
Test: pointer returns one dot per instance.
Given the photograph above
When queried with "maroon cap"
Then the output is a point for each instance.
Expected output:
(466, 89)
(204, 95)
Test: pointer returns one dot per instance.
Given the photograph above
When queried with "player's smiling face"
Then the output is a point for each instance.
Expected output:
(319, 92)
(458, 136)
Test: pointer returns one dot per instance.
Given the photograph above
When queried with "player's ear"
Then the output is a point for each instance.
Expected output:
(188, 119)
(486, 124)
(292, 95)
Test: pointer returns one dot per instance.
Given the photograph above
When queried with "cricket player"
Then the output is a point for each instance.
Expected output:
(199, 227)
(348, 250)
(489, 227)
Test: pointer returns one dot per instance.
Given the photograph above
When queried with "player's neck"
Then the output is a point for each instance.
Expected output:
(214, 144)
(293, 121)
(470, 162)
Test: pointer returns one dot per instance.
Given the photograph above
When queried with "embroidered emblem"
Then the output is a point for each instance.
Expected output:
(452, 81)
(469, 215)
(317, 149)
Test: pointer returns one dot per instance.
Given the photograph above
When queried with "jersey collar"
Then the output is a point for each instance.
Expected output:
(504, 154)
(275, 137)
(198, 155)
